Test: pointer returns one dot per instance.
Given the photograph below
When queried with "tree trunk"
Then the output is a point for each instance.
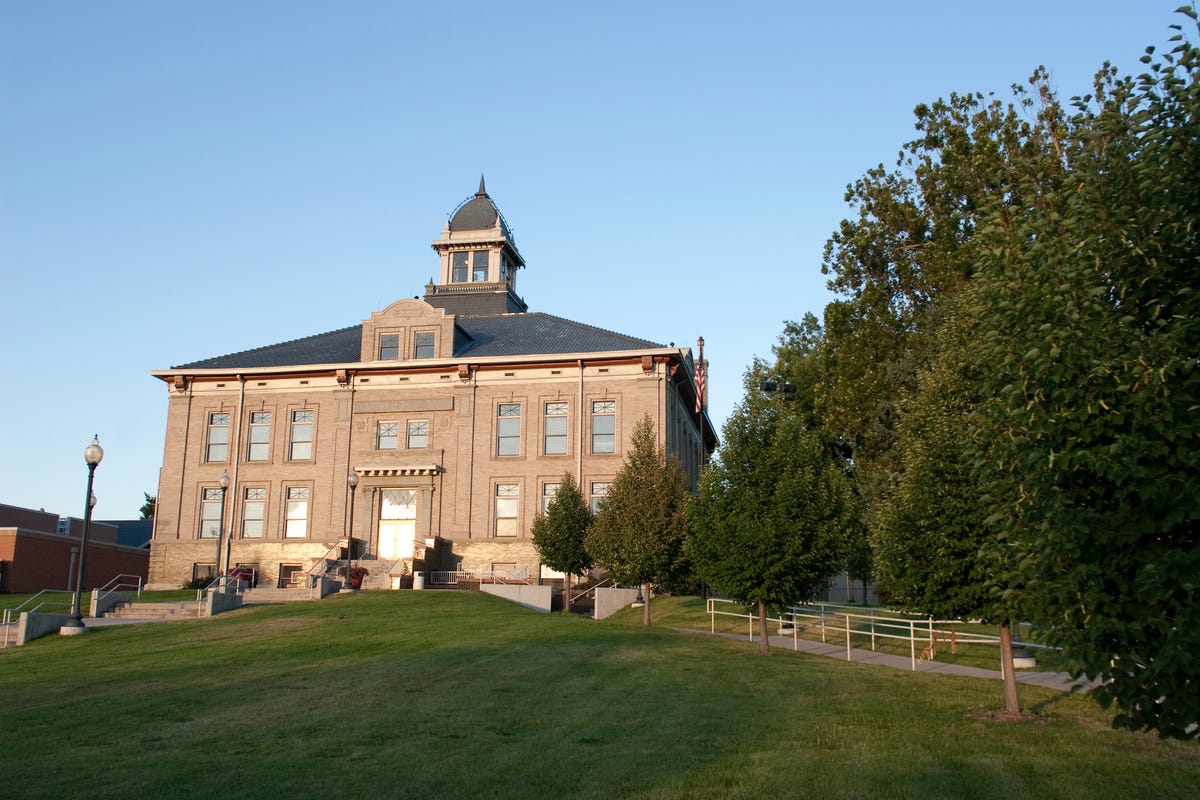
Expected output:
(646, 605)
(1006, 664)
(764, 645)
(567, 595)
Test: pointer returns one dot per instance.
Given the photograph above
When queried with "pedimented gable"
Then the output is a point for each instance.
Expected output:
(408, 330)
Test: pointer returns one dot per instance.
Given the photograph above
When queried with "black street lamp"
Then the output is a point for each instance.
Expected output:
(92, 455)
(352, 482)
(224, 482)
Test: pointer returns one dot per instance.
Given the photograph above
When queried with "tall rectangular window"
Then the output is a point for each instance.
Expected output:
(508, 429)
(210, 513)
(549, 490)
(423, 345)
(254, 512)
(508, 496)
(295, 524)
(387, 435)
(458, 266)
(598, 493)
(479, 265)
(418, 434)
(604, 426)
(301, 443)
(218, 437)
(259, 448)
(389, 347)
(554, 429)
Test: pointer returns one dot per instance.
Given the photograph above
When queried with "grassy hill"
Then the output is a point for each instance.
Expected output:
(437, 694)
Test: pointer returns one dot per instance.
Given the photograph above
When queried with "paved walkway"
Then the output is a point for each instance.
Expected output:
(1051, 680)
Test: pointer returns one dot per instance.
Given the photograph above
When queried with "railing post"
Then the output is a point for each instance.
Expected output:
(847, 618)
(912, 644)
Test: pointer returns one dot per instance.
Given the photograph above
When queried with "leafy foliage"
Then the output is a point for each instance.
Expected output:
(770, 524)
(1089, 330)
(640, 528)
(147, 509)
(559, 534)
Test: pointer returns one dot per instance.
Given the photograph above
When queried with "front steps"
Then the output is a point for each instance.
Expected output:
(161, 612)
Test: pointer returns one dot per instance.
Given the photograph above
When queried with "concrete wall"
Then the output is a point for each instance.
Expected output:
(536, 597)
(610, 601)
(216, 602)
(34, 625)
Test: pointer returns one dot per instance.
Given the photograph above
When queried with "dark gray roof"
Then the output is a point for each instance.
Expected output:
(477, 213)
(494, 335)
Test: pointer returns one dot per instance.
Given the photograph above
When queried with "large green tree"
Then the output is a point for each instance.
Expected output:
(640, 527)
(771, 520)
(1088, 310)
(559, 534)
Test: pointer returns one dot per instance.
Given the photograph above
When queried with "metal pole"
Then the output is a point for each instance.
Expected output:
(76, 617)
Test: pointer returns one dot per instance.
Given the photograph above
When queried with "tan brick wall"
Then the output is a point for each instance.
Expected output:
(455, 474)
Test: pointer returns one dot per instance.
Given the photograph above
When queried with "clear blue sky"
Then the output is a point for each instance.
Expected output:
(181, 180)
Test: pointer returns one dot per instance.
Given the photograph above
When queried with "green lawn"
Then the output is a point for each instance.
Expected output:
(461, 695)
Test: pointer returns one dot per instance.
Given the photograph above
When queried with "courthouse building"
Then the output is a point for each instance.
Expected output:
(458, 414)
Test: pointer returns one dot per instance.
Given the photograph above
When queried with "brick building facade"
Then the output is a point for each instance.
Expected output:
(458, 414)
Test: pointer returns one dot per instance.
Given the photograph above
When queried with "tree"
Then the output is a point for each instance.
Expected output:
(640, 527)
(933, 543)
(771, 520)
(559, 534)
(147, 509)
(1089, 330)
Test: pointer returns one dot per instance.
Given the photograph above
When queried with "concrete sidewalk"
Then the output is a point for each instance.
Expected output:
(1052, 680)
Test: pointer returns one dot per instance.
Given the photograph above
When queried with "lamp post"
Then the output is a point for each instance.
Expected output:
(92, 455)
(224, 483)
(352, 482)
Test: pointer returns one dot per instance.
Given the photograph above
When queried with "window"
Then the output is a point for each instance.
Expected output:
(418, 434)
(302, 435)
(599, 492)
(423, 345)
(259, 448)
(254, 511)
(387, 435)
(604, 426)
(210, 513)
(549, 490)
(508, 429)
(204, 572)
(508, 496)
(218, 437)
(458, 266)
(295, 524)
(479, 265)
(389, 347)
(554, 429)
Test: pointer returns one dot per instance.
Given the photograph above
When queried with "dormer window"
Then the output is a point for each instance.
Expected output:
(423, 345)
(389, 347)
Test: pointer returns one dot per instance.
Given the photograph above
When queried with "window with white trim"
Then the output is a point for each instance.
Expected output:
(599, 491)
(295, 525)
(218, 437)
(549, 490)
(508, 503)
(604, 426)
(508, 429)
(554, 429)
(210, 513)
(387, 435)
(418, 434)
(254, 512)
(300, 445)
(259, 446)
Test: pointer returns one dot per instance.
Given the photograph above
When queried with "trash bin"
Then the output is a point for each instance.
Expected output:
(418, 580)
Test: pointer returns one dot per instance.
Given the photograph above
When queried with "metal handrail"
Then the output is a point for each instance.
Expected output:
(117, 583)
(8, 612)
(591, 590)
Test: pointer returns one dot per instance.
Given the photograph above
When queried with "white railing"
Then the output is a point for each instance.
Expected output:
(9, 613)
(222, 583)
(452, 577)
(123, 581)
(851, 621)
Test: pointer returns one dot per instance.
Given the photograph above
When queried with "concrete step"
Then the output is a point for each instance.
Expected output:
(271, 595)
(185, 609)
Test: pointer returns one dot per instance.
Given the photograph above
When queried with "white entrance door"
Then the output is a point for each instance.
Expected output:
(397, 523)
